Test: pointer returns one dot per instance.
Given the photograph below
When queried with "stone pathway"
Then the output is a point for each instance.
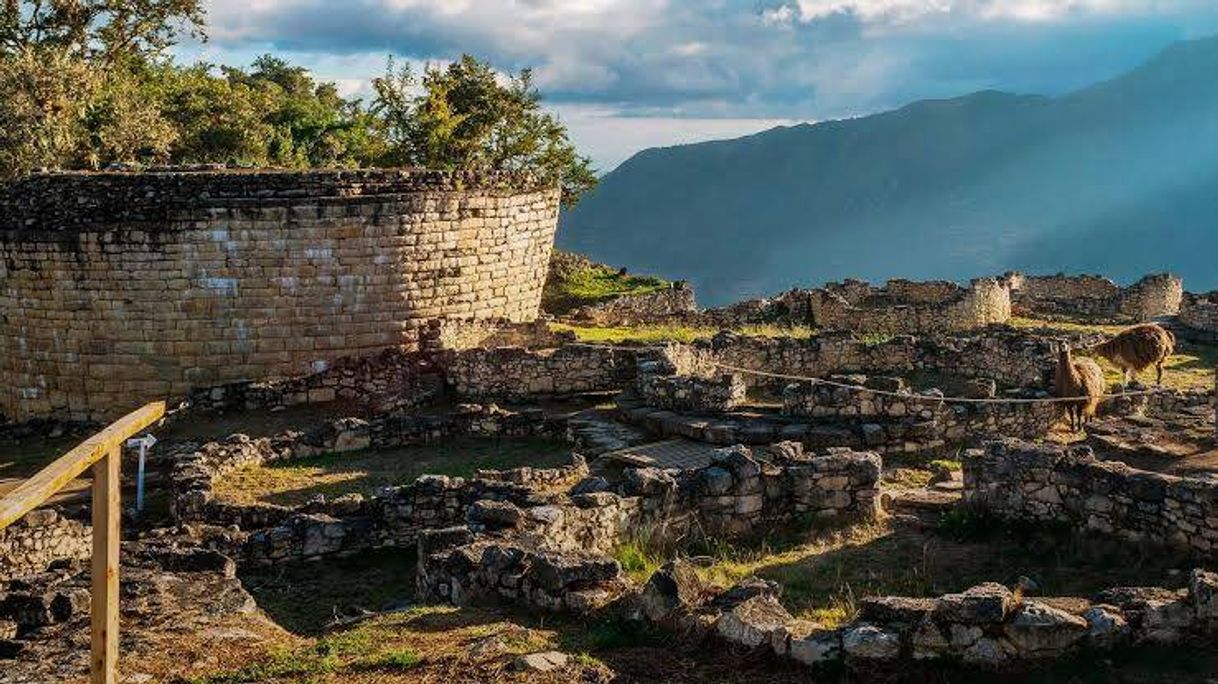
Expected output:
(679, 454)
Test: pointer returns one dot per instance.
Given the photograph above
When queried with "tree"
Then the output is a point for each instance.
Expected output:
(465, 118)
(99, 31)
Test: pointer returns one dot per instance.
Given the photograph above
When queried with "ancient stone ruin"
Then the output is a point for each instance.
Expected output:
(354, 316)
(118, 288)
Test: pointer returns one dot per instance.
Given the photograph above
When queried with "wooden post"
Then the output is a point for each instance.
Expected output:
(105, 598)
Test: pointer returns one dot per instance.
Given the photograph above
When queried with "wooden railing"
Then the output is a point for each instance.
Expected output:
(102, 452)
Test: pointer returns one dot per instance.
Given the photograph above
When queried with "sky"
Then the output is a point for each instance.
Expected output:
(625, 75)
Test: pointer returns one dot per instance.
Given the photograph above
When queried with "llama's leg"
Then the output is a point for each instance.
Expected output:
(1159, 373)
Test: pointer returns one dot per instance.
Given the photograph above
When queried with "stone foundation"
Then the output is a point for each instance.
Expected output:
(40, 538)
(1069, 486)
(661, 305)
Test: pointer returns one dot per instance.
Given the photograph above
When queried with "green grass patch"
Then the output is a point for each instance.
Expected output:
(637, 560)
(1192, 365)
(575, 281)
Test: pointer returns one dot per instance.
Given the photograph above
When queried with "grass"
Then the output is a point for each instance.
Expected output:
(294, 482)
(652, 333)
(574, 282)
(825, 575)
(1190, 367)
(638, 561)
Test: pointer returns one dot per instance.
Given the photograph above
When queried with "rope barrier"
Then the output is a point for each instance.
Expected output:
(897, 395)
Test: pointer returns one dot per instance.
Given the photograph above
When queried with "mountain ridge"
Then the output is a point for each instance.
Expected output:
(947, 188)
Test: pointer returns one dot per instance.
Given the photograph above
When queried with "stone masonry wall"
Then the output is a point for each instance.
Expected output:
(116, 289)
(1095, 298)
(908, 307)
(1005, 356)
(1049, 483)
(1200, 315)
(515, 372)
(32, 543)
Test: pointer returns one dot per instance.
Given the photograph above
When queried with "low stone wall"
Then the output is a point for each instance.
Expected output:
(195, 468)
(1049, 483)
(1095, 298)
(1199, 315)
(908, 307)
(551, 556)
(986, 627)
(660, 305)
(1004, 355)
(515, 372)
(918, 418)
(697, 395)
(40, 538)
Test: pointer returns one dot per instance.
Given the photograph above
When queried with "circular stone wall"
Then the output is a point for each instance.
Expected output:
(116, 289)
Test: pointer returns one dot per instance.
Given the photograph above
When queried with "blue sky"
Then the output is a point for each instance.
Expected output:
(630, 74)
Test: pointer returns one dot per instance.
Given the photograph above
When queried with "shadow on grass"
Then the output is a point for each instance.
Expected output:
(910, 561)
(304, 598)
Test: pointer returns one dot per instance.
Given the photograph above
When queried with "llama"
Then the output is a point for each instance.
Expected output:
(1138, 348)
(1079, 379)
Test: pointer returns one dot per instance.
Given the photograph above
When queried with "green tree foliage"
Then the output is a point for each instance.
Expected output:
(85, 83)
(98, 31)
(467, 118)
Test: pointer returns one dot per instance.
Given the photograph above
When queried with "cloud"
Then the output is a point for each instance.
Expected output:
(738, 60)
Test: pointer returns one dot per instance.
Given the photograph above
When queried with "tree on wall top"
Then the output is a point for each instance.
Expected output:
(469, 117)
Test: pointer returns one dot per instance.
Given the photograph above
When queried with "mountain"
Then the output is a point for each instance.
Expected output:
(1120, 178)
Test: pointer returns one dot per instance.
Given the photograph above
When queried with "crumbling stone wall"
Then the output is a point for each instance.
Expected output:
(1199, 315)
(914, 420)
(1095, 298)
(39, 538)
(1005, 356)
(908, 307)
(120, 288)
(1049, 483)
(515, 372)
(551, 556)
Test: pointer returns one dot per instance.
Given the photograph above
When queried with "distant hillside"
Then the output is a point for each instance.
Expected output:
(1119, 178)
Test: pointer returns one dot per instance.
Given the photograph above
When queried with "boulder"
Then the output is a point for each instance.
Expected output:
(1105, 626)
(1038, 630)
(673, 589)
(546, 661)
(871, 643)
(985, 604)
(815, 649)
(494, 515)
(753, 622)
(1203, 588)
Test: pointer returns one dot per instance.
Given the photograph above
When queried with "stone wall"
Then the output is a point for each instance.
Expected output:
(1199, 315)
(987, 627)
(552, 556)
(1006, 356)
(39, 538)
(195, 468)
(121, 288)
(693, 394)
(1056, 484)
(1095, 298)
(893, 416)
(908, 307)
(515, 372)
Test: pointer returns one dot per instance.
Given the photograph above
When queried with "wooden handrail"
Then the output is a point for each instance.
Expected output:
(103, 452)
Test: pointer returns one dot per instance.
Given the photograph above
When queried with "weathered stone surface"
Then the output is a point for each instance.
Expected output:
(752, 622)
(817, 649)
(494, 514)
(869, 642)
(1037, 629)
(985, 604)
(546, 661)
(674, 588)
